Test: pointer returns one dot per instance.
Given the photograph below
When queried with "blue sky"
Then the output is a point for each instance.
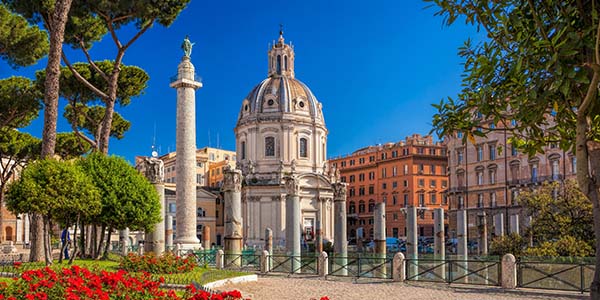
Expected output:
(375, 66)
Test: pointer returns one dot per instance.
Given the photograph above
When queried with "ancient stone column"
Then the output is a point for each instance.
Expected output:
(483, 233)
(269, 247)
(439, 241)
(318, 237)
(292, 222)
(462, 250)
(379, 237)
(206, 237)
(499, 224)
(340, 244)
(169, 232)
(186, 86)
(153, 169)
(412, 246)
(232, 188)
(124, 238)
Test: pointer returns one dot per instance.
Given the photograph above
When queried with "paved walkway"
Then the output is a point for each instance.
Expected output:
(307, 288)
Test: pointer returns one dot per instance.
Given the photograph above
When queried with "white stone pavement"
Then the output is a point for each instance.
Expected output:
(308, 288)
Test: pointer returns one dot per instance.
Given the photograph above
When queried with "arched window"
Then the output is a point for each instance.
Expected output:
(285, 62)
(371, 205)
(269, 146)
(361, 206)
(243, 150)
(279, 64)
(303, 147)
(352, 208)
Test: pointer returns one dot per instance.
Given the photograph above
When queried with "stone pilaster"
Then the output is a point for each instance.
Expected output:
(232, 188)
(340, 244)
(412, 253)
(169, 232)
(293, 226)
(379, 237)
(439, 240)
(462, 249)
(153, 169)
(185, 180)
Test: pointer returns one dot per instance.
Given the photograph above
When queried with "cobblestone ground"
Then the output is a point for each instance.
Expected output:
(307, 288)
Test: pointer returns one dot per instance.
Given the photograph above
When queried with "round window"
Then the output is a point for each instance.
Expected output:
(271, 102)
(301, 104)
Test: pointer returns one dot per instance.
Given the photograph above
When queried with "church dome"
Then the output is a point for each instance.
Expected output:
(281, 93)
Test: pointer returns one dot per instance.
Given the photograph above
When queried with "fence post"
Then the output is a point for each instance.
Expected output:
(323, 264)
(509, 271)
(219, 259)
(264, 262)
(399, 267)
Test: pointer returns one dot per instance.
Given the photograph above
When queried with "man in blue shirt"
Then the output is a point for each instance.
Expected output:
(65, 238)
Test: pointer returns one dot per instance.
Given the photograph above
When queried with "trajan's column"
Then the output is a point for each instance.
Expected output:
(186, 84)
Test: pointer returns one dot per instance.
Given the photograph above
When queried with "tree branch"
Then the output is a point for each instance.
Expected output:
(83, 80)
(91, 62)
(113, 33)
(137, 35)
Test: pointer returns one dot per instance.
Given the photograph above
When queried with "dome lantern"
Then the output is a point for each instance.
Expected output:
(281, 58)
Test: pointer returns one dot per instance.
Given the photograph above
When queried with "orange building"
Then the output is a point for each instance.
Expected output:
(407, 173)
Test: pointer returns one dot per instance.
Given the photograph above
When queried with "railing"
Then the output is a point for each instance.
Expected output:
(361, 267)
(303, 264)
(555, 275)
(206, 257)
(479, 272)
(242, 262)
(177, 77)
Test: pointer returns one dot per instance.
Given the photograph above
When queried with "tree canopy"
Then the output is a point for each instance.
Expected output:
(128, 198)
(20, 102)
(536, 75)
(21, 44)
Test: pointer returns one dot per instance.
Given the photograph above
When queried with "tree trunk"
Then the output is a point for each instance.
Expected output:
(93, 239)
(75, 242)
(100, 240)
(106, 125)
(56, 28)
(593, 151)
(47, 246)
(83, 240)
(107, 245)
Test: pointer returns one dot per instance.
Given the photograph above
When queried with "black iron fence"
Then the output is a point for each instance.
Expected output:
(299, 264)
(361, 266)
(555, 275)
(481, 272)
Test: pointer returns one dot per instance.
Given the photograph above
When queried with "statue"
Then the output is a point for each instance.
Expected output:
(187, 47)
(292, 185)
(293, 167)
(153, 169)
(324, 168)
(251, 167)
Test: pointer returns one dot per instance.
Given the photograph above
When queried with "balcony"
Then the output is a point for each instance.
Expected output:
(177, 77)
(536, 180)
(458, 189)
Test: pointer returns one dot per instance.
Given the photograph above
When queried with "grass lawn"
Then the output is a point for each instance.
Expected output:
(201, 275)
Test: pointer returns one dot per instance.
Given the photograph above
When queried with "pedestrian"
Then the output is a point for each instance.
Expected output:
(65, 238)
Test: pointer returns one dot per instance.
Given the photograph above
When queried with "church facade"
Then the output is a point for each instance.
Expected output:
(281, 133)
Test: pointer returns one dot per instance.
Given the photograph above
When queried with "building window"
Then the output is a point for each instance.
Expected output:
(421, 182)
(421, 168)
(534, 172)
(371, 190)
(433, 198)
(172, 207)
(493, 199)
(395, 154)
(303, 147)
(199, 179)
(444, 183)
(352, 162)
(352, 178)
(352, 208)
(432, 169)
(394, 184)
(479, 177)
(361, 191)
(492, 176)
(371, 205)
(351, 192)
(555, 170)
(384, 186)
(421, 199)
(395, 232)
(405, 169)
(460, 178)
(394, 200)
(395, 216)
(343, 178)
(492, 149)
(371, 175)
(405, 183)
(269, 146)
(383, 156)
(459, 156)
(405, 200)
(479, 200)
(372, 158)
(394, 171)
(361, 206)
(461, 202)
(279, 64)
(432, 183)
(513, 150)
(361, 177)
(383, 173)
(479, 153)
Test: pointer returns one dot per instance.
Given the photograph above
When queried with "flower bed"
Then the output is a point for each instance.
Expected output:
(80, 283)
(168, 263)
